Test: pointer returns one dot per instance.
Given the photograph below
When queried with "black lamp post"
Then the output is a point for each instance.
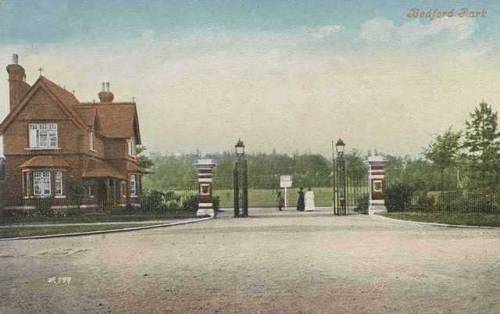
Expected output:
(340, 180)
(239, 149)
(240, 181)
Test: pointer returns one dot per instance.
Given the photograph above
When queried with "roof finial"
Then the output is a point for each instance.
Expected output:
(40, 70)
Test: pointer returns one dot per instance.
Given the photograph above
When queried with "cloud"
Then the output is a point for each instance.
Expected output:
(446, 29)
(206, 89)
(378, 30)
(325, 31)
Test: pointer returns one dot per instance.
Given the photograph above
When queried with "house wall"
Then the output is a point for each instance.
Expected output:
(74, 148)
(42, 108)
(13, 195)
(115, 148)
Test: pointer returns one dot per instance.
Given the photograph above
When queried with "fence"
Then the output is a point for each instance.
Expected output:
(403, 198)
(182, 204)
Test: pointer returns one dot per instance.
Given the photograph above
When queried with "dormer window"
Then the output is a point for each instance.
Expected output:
(43, 135)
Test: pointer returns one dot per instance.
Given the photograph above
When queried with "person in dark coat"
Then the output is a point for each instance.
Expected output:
(300, 202)
(281, 201)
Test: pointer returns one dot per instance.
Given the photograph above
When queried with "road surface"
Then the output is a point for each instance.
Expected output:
(274, 262)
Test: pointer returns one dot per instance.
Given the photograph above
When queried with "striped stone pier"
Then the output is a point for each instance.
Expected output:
(376, 177)
(205, 169)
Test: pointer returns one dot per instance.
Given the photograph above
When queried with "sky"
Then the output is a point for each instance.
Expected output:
(289, 76)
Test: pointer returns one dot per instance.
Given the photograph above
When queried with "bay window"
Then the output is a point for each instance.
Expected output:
(41, 183)
(26, 184)
(59, 184)
(43, 135)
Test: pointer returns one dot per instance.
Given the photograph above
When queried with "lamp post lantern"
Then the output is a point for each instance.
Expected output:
(340, 180)
(240, 181)
(239, 149)
(339, 147)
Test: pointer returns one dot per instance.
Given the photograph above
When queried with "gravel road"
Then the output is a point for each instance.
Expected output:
(273, 262)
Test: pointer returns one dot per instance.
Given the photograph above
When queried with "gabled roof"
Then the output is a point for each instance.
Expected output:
(62, 94)
(88, 115)
(115, 120)
(66, 100)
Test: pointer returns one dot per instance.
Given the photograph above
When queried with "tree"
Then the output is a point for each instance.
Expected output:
(482, 144)
(144, 161)
(443, 151)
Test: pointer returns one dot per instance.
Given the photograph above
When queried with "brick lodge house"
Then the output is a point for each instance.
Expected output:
(54, 143)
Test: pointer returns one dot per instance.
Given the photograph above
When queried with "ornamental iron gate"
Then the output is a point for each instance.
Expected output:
(350, 190)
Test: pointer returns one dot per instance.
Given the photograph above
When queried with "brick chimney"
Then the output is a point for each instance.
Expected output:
(105, 96)
(17, 84)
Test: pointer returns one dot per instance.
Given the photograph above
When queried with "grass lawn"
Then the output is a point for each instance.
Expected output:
(471, 219)
(98, 217)
(12, 232)
(267, 197)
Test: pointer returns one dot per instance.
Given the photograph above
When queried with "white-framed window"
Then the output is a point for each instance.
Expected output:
(59, 183)
(124, 189)
(133, 185)
(91, 190)
(43, 135)
(41, 183)
(26, 183)
(130, 147)
(92, 140)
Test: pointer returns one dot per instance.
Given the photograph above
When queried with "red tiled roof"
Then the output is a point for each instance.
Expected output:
(116, 120)
(88, 115)
(63, 95)
(66, 99)
(101, 169)
(45, 161)
(131, 167)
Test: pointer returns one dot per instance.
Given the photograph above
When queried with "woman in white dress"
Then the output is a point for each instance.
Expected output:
(309, 200)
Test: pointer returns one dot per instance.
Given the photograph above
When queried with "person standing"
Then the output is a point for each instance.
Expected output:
(300, 201)
(280, 200)
(309, 200)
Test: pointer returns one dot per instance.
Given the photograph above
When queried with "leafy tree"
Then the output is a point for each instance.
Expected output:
(144, 161)
(443, 151)
(482, 144)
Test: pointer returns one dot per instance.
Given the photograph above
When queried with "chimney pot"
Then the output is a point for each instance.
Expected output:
(15, 59)
(105, 96)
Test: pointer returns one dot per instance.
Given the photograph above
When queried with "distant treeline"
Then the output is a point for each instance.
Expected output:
(177, 171)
